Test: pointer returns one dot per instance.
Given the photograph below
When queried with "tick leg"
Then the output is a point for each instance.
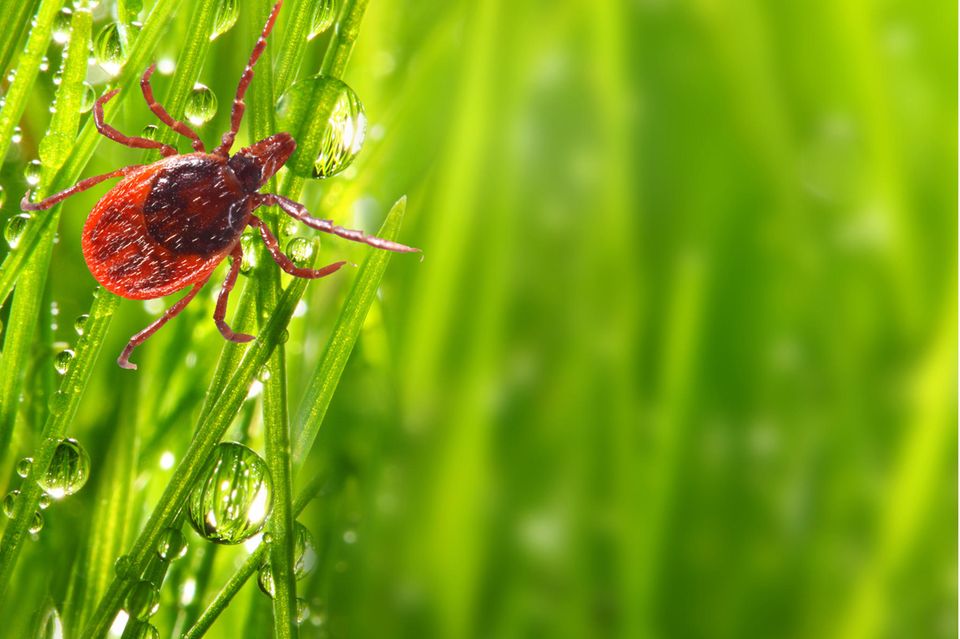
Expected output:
(141, 337)
(285, 262)
(300, 212)
(116, 136)
(160, 112)
(82, 185)
(220, 313)
(236, 113)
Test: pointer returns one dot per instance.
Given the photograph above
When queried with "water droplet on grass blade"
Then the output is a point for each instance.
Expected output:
(201, 105)
(45, 501)
(143, 600)
(81, 323)
(50, 626)
(226, 17)
(17, 135)
(36, 523)
(233, 498)
(335, 130)
(24, 466)
(87, 98)
(324, 13)
(10, 502)
(300, 250)
(61, 361)
(123, 566)
(303, 610)
(108, 49)
(172, 545)
(143, 630)
(61, 26)
(304, 559)
(32, 172)
(151, 132)
(68, 471)
(13, 230)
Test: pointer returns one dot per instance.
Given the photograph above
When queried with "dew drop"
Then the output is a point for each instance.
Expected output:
(172, 545)
(44, 64)
(24, 465)
(68, 471)
(45, 501)
(13, 230)
(303, 610)
(108, 49)
(304, 560)
(36, 523)
(284, 336)
(123, 566)
(17, 135)
(61, 26)
(248, 246)
(267, 538)
(338, 125)
(10, 502)
(265, 580)
(151, 132)
(233, 498)
(32, 172)
(143, 600)
(201, 105)
(88, 97)
(58, 402)
(324, 14)
(61, 361)
(226, 17)
(144, 630)
(51, 627)
(300, 250)
(81, 323)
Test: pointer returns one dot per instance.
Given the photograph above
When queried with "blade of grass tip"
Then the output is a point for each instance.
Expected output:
(208, 435)
(317, 397)
(15, 16)
(63, 408)
(25, 310)
(323, 382)
(249, 567)
(43, 228)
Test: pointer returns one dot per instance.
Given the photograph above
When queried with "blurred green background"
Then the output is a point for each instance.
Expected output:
(680, 360)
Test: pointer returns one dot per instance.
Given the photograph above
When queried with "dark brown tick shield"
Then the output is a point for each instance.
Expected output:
(166, 226)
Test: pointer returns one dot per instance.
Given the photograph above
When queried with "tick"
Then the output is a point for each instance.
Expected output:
(166, 226)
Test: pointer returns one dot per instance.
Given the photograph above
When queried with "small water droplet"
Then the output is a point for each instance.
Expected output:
(17, 135)
(284, 336)
(32, 172)
(264, 374)
(267, 538)
(50, 626)
(36, 523)
(143, 600)
(61, 26)
(265, 580)
(58, 402)
(88, 97)
(248, 246)
(324, 13)
(143, 630)
(10, 502)
(123, 566)
(339, 121)
(24, 465)
(226, 17)
(68, 471)
(300, 250)
(201, 105)
(44, 64)
(304, 560)
(303, 610)
(109, 50)
(61, 361)
(172, 545)
(45, 501)
(81, 323)
(151, 132)
(233, 498)
(13, 231)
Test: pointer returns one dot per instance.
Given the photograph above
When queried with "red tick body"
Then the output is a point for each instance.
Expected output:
(167, 226)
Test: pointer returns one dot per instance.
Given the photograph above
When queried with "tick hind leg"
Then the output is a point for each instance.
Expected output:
(299, 211)
(219, 315)
(133, 141)
(166, 118)
(169, 314)
(82, 185)
(285, 262)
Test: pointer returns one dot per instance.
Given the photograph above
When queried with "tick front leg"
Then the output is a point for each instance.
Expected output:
(133, 141)
(166, 118)
(142, 336)
(82, 185)
(285, 262)
(300, 212)
(219, 315)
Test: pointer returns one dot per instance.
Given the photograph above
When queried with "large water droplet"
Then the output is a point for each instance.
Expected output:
(109, 50)
(338, 125)
(68, 471)
(143, 600)
(226, 17)
(233, 498)
(24, 466)
(172, 545)
(305, 559)
(61, 26)
(10, 502)
(36, 523)
(88, 97)
(61, 361)
(300, 250)
(324, 13)
(32, 172)
(201, 105)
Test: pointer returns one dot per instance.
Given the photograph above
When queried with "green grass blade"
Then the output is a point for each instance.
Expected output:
(16, 17)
